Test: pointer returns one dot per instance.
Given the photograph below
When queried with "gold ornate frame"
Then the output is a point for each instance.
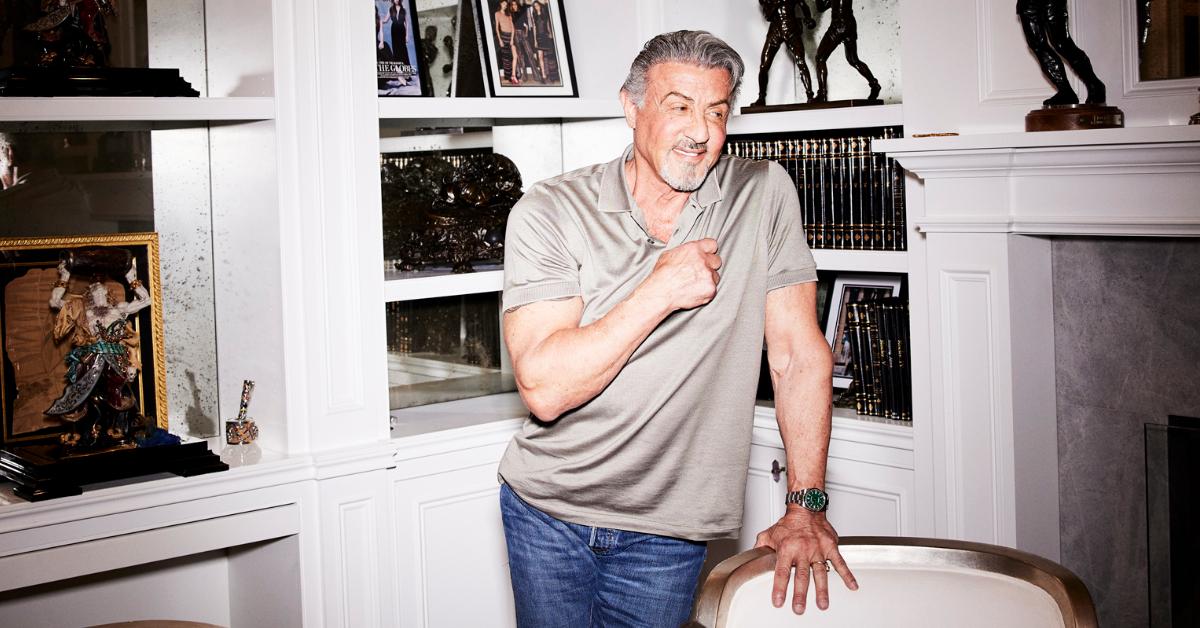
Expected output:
(18, 256)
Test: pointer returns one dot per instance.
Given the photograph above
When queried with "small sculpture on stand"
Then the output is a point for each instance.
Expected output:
(62, 47)
(98, 405)
(70, 33)
(782, 29)
(1044, 23)
(842, 31)
(1195, 119)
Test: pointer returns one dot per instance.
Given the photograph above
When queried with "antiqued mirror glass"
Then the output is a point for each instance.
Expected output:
(1169, 39)
(445, 348)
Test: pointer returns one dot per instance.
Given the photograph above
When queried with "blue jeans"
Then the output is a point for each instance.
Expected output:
(566, 575)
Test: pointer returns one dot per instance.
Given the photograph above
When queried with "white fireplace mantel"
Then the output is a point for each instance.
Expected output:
(1134, 182)
(983, 277)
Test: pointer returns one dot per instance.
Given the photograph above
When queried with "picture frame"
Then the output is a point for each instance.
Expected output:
(399, 68)
(534, 59)
(34, 361)
(852, 288)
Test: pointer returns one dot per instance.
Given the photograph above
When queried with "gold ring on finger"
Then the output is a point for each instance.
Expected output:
(825, 563)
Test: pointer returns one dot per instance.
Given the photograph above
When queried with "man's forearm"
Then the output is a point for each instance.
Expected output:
(571, 366)
(803, 409)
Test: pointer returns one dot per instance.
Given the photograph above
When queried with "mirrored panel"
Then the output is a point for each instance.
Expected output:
(1169, 37)
(445, 348)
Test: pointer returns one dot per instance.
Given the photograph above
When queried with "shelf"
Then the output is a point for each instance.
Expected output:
(817, 119)
(1045, 139)
(129, 109)
(398, 286)
(498, 108)
(862, 261)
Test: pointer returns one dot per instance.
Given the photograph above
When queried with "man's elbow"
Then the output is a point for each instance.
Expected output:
(542, 405)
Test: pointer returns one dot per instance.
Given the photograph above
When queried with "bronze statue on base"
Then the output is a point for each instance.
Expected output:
(842, 31)
(1044, 23)
(784, 29)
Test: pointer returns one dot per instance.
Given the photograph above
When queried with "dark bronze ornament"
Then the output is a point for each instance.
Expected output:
(439, 215)
(783, 29)
(1045, 24)
(842, 31)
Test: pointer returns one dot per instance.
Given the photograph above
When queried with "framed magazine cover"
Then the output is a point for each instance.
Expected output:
(400, 70)
(526, 48)
(852, 289)
(38, 343)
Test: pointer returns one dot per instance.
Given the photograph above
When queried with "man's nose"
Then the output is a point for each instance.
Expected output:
(697, 129)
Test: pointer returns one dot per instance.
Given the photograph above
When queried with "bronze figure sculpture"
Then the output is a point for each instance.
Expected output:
(1045, 25)
(782, 29)
(842, 31)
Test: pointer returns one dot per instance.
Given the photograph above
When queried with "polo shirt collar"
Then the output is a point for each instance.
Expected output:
(614, 193)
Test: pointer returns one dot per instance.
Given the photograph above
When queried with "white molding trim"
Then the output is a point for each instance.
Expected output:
(356, 525)
(953, 385)
(1065, 226)
(1132, 84)
(421, 509)
(352, 460)
(895, 497)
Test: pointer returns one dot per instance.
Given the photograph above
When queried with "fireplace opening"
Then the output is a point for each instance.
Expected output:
(1172, 521)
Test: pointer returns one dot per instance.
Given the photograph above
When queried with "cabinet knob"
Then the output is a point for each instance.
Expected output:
(776, 470)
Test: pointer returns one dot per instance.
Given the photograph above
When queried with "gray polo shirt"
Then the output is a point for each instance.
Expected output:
(664, 448)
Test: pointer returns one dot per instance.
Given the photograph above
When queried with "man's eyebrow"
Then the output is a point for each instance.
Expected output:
(678, 95)
(668, 95)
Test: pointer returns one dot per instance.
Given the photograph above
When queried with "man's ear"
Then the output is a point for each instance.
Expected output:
(630, 108)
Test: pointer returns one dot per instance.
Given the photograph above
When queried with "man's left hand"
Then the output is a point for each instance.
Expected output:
(804, 540)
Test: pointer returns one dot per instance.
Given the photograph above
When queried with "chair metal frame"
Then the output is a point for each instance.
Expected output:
(1067, 590)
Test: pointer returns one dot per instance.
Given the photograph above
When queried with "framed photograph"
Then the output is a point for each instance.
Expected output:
(400, 70)
(104, 331)
(526, 48)
(852, 289)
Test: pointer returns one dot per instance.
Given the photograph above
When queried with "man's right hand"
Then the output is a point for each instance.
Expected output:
(687, 274)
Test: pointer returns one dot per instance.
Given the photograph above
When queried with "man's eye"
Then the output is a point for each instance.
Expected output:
(719, 115)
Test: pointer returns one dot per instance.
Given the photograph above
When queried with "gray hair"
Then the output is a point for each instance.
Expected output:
(700, 48)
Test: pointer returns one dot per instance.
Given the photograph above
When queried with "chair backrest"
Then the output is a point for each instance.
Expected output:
(906, 582)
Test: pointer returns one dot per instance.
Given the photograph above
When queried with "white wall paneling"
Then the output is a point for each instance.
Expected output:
(450, 540)
(332, 239)
(357, 551)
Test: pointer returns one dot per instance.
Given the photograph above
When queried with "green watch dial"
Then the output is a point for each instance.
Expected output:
(814, 499)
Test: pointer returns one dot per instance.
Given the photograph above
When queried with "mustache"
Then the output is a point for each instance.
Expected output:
(687, 144)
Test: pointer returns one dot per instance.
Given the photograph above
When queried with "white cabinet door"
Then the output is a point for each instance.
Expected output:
(453, 564)
(868, 499)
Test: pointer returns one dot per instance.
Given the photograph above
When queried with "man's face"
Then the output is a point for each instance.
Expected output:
(680, 128)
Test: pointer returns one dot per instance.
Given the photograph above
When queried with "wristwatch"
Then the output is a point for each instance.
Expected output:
(811, 499)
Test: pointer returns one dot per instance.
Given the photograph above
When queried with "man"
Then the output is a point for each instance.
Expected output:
(637, 294)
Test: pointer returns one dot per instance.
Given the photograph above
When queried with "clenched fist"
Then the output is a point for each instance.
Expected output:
(686, 276)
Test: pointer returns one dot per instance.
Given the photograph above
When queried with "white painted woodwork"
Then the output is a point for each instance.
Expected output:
(331, 243)
(990, 439)
(450, 539)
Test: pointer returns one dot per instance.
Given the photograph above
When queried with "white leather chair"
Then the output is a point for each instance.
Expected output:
(905, 583)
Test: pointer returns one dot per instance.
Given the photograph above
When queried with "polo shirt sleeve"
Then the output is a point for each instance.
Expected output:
(789, 260)
(538, 264)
